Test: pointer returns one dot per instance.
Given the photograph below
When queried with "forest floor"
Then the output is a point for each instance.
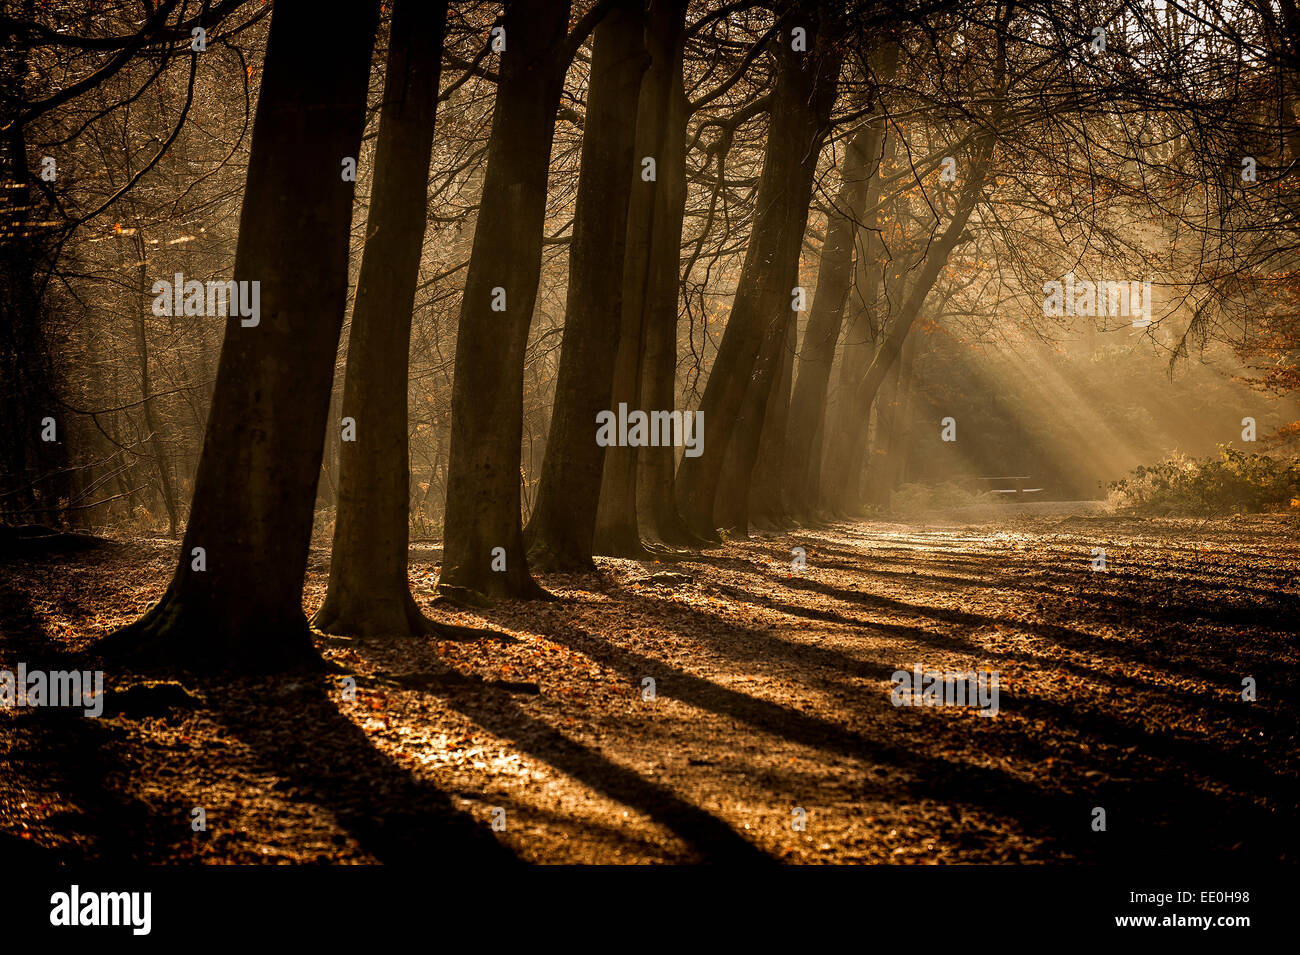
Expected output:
(1119, 689)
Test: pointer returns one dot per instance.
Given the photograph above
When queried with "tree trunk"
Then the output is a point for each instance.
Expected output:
(767, 507)
(650, 291)
(882, 446)
(656, 468)
(900, 439)
(257, 476)
(846, 497)
(151, 422)
(845, 426)
(34, 474)
(483, 520)
(817, 354)
(936, 258)
(562, 527)
(369, 592)
(736, 395)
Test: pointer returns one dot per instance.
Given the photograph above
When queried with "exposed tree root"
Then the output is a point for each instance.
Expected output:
(177, 636)
(397, 616)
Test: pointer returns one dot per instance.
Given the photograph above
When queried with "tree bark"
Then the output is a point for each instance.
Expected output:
(656, 468)
(878, 482)
(935, 259)
(483, 517)
(736, 395)
(562, 527)
(34, 474)
(845, 425)
(900, 439)
(766, 504)
(151, 422)
(369, 591)
(808, 404)
(645, 367)
(257, 475)
(846, 497)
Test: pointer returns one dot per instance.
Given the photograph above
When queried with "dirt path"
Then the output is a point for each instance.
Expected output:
(772, 703)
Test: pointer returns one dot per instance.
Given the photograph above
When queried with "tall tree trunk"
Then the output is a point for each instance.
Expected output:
(900, 439)
(845, 425)
(327, 490)
(808, 405)
(850, 433)
(656, 468)
(650, 292)
(562, 526)
(483, 522)
(845, 497)
(151, 420)
(767, 507)
(241, 607)
(34, 473)
(736, 395)
(878, 481)
(936, 257)
(817, 352)
(369, 592)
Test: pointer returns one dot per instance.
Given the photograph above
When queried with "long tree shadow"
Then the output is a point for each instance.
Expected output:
(1064, 636)
(801, 652)
(1052, 581)
(396, 817)
(913, 578)
(932, 777)
(854, 560)
(1165, 806)
(713, 839)
(764, 646)
(1248, 777)
(77, 759)
(81, 762)
(1235, 772)
(1057, 814)
(299, 735)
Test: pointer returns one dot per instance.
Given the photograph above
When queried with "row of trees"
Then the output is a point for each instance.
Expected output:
(827, 177)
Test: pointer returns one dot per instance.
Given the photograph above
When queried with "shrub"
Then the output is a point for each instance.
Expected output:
(1231, 482)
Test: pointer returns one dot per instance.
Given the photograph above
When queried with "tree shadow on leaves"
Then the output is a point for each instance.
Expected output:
(396, 817)
(714, 840)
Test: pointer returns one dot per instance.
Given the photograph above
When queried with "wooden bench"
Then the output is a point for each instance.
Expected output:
(1019, 490)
